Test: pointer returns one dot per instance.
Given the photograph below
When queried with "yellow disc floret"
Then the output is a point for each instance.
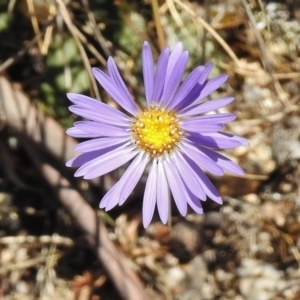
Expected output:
(156, 131)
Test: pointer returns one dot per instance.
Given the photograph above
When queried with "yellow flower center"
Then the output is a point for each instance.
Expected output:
(156, 131)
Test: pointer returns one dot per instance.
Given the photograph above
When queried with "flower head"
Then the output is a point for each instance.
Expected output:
(173, 133)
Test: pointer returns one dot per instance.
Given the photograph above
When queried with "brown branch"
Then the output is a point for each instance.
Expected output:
(17, 112)
(116, 264)
(33, 129)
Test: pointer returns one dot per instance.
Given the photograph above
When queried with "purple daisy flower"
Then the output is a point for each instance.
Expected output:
(173, 133)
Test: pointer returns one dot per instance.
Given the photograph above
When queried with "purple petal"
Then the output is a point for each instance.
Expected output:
(70, 162)
(213, 141)
(107, 197)
(212, 118)
(77, 133)
(163, 194)
(201, 159)
(106, 163)
(201, 126)
(174, 56)
(115, 87)
(101, 129)
(194, 93)
(123, 188)
(98, 116)
(160, 75)
(242, 141)
(207, 186)
(100, 143)
(191, 97)
(148, 71)
(115, 75)
(185, 161)
(194, 202)
(176, 186)
(206, 89)
(205, 73)
(132, 175)
(191, 199)
(111, 198)
(174, 79)
(186, 87)
(206, 107)
(212, 85)
(231, 167)
(189, 177)
(207, 123)
(87, 157)
(225, 163)
(97, 111)
(150, 195)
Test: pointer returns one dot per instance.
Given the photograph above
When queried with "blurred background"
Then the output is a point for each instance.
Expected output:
(248, 248)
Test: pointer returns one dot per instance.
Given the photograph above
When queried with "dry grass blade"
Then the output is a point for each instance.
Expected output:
(91, 48)
(265, 59)
(243, 71)
(66, 16)
(49, 30)
(34, 22)
(159, 29)
(205, 25)
(10, 61)
(11, 6)
(180, 23)
(96, 30)
(29, 263)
